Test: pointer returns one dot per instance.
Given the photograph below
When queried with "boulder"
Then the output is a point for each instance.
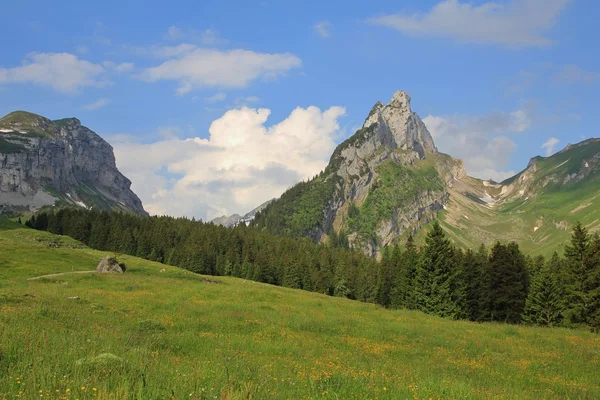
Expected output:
(110, 265)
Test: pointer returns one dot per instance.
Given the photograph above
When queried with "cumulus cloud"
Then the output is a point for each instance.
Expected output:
(194, 67)
(518, 23)
(549, 145)
(323, 29)
(63, 72)
(482, 142)
(96, 105)
(243, 162)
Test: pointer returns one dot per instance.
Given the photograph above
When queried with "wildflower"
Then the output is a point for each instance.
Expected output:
(83, 388)
(68, 390)
(94, 389)
(384, 389)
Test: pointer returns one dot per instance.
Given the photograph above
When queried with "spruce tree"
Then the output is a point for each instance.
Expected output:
(385, 278)
(592, 284)
(545, 302)
(576, 271)
(435, 276)
(473, 265)
(506, 284)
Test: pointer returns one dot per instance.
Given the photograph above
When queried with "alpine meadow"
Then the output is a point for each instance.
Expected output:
(243, 201)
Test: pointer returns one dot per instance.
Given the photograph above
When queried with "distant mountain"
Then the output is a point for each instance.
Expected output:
(236, 219)
(536, 207)
(388, 180)
(61, 162)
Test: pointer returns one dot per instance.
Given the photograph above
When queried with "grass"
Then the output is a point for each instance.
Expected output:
(159, 332)
(541, 221)
(26, 122)
(395, 187)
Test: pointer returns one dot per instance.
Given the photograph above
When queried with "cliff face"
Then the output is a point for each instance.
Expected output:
(385, 181)
(44, 162)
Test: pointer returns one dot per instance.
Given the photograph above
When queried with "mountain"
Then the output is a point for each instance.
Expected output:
(61, 162)
(388, 180)
(385, 180)
(536, 207)
(235, 219)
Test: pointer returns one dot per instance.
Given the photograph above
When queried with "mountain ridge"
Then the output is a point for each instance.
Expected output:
(60, 162)
(388, 180)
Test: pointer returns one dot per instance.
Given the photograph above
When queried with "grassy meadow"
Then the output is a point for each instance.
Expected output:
(159, 332)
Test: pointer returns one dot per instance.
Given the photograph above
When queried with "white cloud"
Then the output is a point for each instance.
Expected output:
(242, 164)
(215, 98)
(96, 105)
(195, 67)
(482, 142)
(63, 72)
(549, 145)
(518, 23)
(571, 73)
(323, 29)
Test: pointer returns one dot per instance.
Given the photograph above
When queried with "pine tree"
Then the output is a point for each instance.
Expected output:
(291, 277)
(545, 302)
(385, 278)
(473, 266)
(506, 284)
(592, 284)
(435, 276)
(576, 270)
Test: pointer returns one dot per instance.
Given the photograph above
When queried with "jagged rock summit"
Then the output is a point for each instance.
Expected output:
(398, 126)
(386, 179)
(61, 162)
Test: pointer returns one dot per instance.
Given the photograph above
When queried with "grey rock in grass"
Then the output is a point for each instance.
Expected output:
(110, 265)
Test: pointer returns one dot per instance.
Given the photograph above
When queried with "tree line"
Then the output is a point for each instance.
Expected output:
(498, 284)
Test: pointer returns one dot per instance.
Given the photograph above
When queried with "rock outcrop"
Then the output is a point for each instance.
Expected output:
(44, 162)
(110, 265)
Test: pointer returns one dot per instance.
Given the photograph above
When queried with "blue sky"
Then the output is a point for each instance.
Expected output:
(215, 106)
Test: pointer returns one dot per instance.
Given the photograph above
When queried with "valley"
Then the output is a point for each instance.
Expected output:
(133, 336)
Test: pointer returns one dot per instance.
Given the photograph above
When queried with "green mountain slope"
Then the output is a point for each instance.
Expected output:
(388, 180)
(536, 208)
(134, 336)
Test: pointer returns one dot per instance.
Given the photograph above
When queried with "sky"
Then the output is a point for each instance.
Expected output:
(214, 107)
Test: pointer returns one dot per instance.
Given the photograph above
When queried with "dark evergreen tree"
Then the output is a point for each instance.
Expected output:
(436, 276)
(545, 301)
(506, 286)
(575, 274)
(473, 265)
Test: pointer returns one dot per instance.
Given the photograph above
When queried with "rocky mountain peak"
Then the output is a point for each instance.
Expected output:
(399, 127)
(61, 162)
(401, 100)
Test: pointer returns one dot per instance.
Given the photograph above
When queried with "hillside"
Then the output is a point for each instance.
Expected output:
(536, 208)
(388, 181)
(133, 336)
(61, 162)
